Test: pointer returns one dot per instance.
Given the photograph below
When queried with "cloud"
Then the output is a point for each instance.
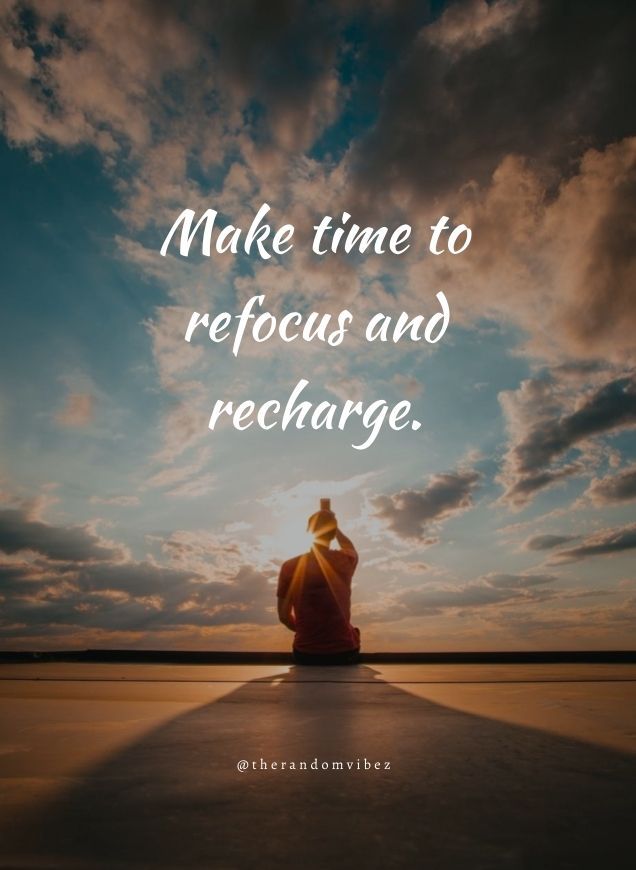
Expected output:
(409, 513)
(541, 627)
(87, 73)
(18, 532)
(184, 425)
(77, 412)
(185, 481)
(230, 105)
(594, 260)
(611, 407)
(173, 357)
(438, 127)
(559, 174)
(136, 596)
(607, 542)
(56, 577)
(407, 385)
(116, 500)
(560, 271)
(518, 581)
(199, 486)
(281, 58)
(613, 489)
(157, 83)
(543, 431)
(470, 25)
(204, 552)
(403, 567)
(547, 542)
(486, 591)
(525, 488)
(347, 388)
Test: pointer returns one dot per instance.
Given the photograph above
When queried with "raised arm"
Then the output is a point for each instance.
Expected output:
(346, 544)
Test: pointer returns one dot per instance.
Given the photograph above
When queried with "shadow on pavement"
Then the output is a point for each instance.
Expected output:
(463, 791)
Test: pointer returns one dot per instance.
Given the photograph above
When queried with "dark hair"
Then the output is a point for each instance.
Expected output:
(323, 524)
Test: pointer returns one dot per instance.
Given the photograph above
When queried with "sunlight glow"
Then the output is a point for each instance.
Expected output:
(288, 538)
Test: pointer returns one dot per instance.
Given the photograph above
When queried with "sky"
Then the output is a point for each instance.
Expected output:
(507, 520)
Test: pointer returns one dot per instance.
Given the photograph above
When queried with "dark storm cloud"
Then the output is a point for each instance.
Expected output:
(61, 543)
(605, 543)
(613, 489)
(408, 513)
(547, 542)
(537, 78)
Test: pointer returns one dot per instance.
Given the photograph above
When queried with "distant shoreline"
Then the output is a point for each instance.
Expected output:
(220, 657)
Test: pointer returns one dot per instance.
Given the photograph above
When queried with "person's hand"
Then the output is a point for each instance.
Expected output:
(344, 542)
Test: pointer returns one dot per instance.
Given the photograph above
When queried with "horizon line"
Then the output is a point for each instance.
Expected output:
(165, 656)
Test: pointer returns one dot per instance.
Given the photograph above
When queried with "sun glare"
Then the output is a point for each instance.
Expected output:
(290, 536)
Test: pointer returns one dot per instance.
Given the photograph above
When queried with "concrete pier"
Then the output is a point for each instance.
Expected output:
(437, 766)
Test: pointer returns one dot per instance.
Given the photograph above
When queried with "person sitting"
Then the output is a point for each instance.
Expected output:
(314, 596)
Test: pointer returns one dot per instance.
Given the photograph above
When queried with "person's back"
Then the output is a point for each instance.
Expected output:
(314, 596)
